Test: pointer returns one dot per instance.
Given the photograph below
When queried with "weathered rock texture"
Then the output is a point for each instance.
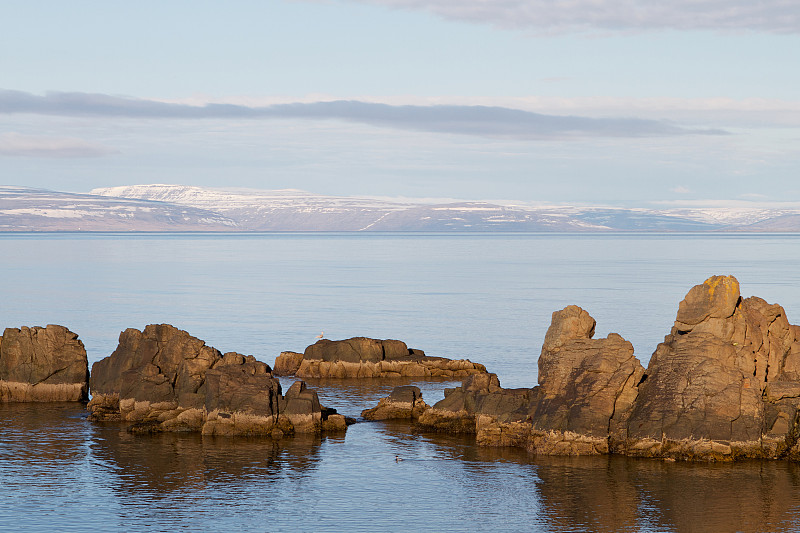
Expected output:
(43, 365)
(586, 388)
(404, 402)
(724, 385)
(163, 379)
(361, 357)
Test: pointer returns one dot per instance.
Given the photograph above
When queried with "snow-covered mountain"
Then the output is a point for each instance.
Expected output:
(186, 208)
(25, 209)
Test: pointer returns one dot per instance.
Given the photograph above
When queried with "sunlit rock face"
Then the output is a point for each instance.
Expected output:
(43, 365)
(723, 384)
(163, 379)
(362, 357)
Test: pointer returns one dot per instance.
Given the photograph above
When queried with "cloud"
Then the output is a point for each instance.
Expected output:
(487, 121)
(16, 144)
(680, 189)
(555, 16)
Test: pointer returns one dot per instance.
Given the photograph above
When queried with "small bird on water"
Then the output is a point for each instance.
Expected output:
(397, 458)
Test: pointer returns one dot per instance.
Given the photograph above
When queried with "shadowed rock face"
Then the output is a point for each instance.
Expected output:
(586, 385)
(361, 357)
(43, 365)
(163, 379)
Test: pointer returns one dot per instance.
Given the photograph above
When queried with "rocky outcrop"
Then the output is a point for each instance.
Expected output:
(43, 365)
(586, 388)
(480, 394)
(724, 383)
(404, 402)
(163, 379)
(361, 357)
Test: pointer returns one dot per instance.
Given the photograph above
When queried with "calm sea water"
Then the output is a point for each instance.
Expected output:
(484, 297)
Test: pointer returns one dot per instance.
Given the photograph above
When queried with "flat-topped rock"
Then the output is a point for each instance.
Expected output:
(163, 379)
(43, 365)
(361, 357)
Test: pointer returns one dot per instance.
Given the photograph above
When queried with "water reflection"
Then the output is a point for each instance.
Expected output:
(165, 463)
(351, 396)
(55, 465)
(620, 494)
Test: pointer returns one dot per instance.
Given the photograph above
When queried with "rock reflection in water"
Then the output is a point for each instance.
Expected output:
(56, 465)
(622, 494)
(165, 463)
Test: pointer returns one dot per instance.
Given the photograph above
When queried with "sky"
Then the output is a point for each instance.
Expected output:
(594, 102)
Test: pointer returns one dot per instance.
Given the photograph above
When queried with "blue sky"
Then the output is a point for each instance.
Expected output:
(587, 101)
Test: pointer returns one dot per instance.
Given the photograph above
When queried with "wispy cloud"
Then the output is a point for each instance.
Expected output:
(16, 144)
(680, 189)
(771, 16)
(488, 121)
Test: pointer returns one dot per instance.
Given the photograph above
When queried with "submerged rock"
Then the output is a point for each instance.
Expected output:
(361, 357)
(43, 365)
(404, 402)
(163, 379)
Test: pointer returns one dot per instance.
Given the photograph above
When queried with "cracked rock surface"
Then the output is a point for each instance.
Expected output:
(43, 365)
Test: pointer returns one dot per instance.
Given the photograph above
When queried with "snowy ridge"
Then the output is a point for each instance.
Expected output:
(23, 209)
(161, 207)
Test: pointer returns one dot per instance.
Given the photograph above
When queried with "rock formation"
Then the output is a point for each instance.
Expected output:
(404, 402)
(163, 379)
(724, 385)
(43, 365)
(586, 388)
(361, 357)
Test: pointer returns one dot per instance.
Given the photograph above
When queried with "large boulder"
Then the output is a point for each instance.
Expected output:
(361, 357)
(43, 365)
(723, 384)
(586, 386)
(585, 392)
(163, 379)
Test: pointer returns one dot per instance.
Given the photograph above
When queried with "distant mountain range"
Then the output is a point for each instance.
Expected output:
(185, 208)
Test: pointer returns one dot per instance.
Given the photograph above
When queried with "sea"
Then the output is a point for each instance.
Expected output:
(485, 297)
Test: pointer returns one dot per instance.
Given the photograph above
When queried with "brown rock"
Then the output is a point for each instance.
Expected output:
(722, 385)
(163, 379)
(403, 403)
(287, 363)
(586, 386)
(43, 365)
(478, 395)
(361, 357)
